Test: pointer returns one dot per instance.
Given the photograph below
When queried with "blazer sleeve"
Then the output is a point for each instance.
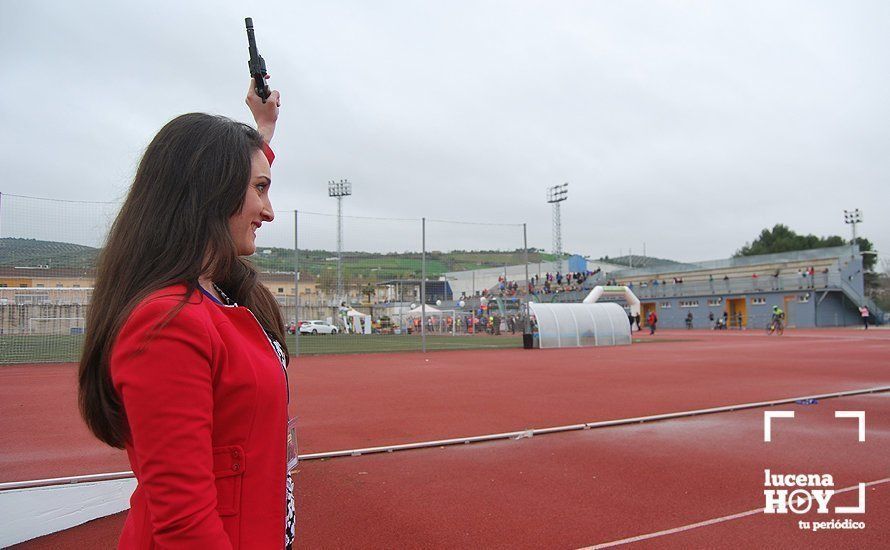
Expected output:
(164, 381)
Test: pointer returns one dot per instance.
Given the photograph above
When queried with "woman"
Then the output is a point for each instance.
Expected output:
(184, 363)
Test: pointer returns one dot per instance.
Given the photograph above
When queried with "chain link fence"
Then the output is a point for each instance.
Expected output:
(345, 284)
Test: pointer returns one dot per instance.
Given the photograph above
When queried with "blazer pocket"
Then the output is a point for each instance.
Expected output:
(228, 466)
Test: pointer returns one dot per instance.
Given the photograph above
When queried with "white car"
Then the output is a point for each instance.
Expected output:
(317, 327)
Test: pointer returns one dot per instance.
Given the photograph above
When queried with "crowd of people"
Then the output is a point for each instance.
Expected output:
(476, 322)
(552, 283)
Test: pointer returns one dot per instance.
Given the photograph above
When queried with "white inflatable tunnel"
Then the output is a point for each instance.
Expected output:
(581, 325)
(619, 291)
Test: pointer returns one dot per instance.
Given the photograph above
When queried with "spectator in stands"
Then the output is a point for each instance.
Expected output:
(185, 350)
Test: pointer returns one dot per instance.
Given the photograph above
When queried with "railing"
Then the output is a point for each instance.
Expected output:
(860, 299)
(809, 256)
(738, 285)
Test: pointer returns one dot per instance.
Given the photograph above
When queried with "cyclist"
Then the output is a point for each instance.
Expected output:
(777, 321)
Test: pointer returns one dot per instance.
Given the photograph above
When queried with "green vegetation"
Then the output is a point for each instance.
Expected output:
(371, 266)
(346, 343)
(32, 253)
(66, 349)
(782, 239)
(40, 349)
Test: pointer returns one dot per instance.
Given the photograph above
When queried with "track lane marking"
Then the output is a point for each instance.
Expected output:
(712, 521)
(521, 434)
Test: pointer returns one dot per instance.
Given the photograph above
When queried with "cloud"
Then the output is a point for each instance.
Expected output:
(689, 126)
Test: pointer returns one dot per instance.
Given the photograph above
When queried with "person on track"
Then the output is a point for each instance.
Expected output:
(777, 319)
(652, 320)
(864, 313)
(185, 362)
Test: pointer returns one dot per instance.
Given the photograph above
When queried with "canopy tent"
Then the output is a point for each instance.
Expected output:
(430, 310)
(580, 325)
(356, 321)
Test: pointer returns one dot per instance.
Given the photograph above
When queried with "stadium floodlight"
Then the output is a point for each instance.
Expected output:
(339, 189)
(556, 195)
(852, 217)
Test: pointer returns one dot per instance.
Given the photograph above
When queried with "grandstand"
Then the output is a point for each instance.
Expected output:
(816, 288)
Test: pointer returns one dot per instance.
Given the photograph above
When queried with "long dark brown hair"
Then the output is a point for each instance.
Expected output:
(172, 228)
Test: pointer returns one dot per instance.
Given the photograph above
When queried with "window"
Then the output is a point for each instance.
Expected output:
(59, 285)
(280, 290)
(803, 298)
(758, 301)
(39, 285)
(715, 301)
(689, 303)
(665, 305)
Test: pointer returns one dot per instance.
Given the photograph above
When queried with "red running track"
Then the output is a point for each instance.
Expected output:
(353, 401)
(575, 489)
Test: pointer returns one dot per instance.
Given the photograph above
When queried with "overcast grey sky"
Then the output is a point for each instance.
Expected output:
(686, 125)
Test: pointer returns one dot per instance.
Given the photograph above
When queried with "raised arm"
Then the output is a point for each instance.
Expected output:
(265, 114)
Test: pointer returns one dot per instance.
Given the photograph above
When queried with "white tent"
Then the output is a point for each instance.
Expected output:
(357, 322)
(430, 310)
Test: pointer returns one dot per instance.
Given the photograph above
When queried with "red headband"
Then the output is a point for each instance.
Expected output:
(270, 156)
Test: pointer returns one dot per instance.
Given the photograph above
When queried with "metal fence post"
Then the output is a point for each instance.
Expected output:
(423, 286)
(296, 287)
(527, 328)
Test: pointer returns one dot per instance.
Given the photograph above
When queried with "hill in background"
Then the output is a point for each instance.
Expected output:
(15, 252)
(32, 253)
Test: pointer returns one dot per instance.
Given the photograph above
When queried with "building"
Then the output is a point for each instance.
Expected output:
(816, 288)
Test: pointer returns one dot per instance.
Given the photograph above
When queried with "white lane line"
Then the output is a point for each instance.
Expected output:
(13, 485)
(709, 522)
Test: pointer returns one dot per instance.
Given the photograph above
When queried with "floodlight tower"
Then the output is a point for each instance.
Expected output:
(556, 195)
(852, 217)
(339, 189)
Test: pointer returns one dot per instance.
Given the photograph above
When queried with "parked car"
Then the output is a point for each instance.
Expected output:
(317, 327)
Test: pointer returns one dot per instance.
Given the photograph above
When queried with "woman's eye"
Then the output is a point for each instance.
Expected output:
(261, 187)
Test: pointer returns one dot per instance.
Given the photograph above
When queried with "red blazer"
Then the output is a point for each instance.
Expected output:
(205, 399)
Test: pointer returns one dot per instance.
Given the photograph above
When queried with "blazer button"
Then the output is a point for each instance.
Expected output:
(235, 453)
(236, 467)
